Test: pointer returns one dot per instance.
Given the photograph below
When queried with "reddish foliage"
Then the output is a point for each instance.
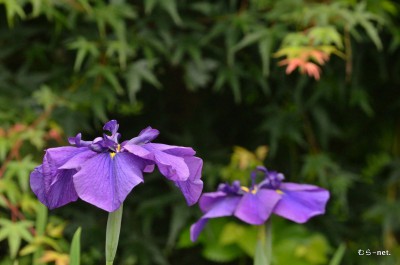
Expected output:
(305, 64)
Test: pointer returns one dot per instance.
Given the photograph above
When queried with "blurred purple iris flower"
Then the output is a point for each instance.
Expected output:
(103, 171)
(254, 205)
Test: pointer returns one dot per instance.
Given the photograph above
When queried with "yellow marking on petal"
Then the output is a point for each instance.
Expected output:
(112, 154)
(118, 148)
(245, 189)
(279, 191)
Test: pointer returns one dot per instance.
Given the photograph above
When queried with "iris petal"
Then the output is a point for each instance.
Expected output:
(192, 187)
(145, 136)
(37, 184)
(54, 186)
(139, 151)
(173, 149)
(78, 160)
(62, 190)
(224, 206)
(105, 182)
(208, 200)
(300, 202)
(256, 208)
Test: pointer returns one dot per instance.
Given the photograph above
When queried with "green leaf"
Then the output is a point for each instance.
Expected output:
(4, 147)
(149, 6)
(325, 36)
(108, 73)
(137, 72)
(339, 254)
(264, 48)
(216, 252)
(75, 251)
(232, 233)
(21, 169)
(84, 48)
(13, 9)
(171, 7)
(251, 38)
(45, 97)
(14, 241)
(179, 219)
(15, 231)
(41, 219)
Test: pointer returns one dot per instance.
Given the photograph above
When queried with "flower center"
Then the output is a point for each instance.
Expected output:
(245, 189)
(112, 154)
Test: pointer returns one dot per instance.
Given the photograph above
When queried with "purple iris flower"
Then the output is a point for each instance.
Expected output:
(254, 205)
(103, 171)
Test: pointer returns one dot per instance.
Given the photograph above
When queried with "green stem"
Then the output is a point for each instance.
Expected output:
(268, 243)
(263, 253)
(112, 234)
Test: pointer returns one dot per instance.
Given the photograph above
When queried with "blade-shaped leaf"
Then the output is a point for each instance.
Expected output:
(75, 251)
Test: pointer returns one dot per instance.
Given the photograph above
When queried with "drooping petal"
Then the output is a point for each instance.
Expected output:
(256, 208)
(193, 186)
(171, 166)
(196, 228)
(300, 202)
(53, 159)
(225, 206)
(105, 181)
(37, 184)
(52, 185)
(173, 149)
(149, 168)
(139, 151)
(60, 192)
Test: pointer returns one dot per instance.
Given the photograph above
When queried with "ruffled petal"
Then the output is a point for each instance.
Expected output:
(208, 200)
(139, 151)
(193, 186)
(105, 182)
(225, 206)
(111, 126)
(173, 149)
(37, 184)
(146, 135)
(300, 202)
(53, 186)
(172, 167)
(60, 192)
(78, 142)
(256, 208)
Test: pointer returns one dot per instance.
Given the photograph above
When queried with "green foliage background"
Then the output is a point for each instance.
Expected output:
(206, 74)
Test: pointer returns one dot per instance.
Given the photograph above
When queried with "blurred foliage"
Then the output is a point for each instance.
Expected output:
(207, 74)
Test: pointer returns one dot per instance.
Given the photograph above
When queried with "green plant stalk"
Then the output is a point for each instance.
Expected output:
(268, 243)
(112, 234)
(263, 253)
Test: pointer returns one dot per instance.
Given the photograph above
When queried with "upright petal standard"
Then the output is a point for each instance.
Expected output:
(103, 172)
